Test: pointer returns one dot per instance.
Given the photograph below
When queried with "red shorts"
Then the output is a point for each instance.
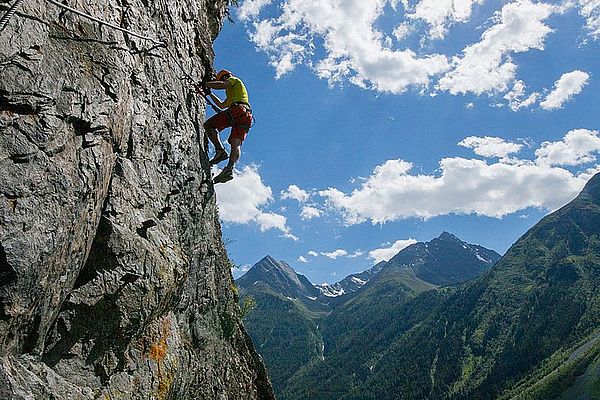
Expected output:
(238, 117)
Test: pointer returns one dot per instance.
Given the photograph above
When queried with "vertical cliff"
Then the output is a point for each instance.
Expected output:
(114, 282)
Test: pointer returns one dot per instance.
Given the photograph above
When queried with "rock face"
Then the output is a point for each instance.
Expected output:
(114, 282)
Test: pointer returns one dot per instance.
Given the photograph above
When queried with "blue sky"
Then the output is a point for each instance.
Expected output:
(383, 122)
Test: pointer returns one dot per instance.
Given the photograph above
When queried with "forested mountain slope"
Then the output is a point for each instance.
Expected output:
(295, 328)
(539, 301)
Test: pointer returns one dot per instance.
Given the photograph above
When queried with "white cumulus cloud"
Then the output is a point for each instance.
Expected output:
(487, 66)
(385, 253)
(569, 85)
(402, 31)
(268, 220)
(355, 51)
(357, 253)
(239, 270)
(579, 146)
(302, 259)
(335, 254)
(313, 253)
(470, 186)
(440, 14)
(295, 193)
(250, 9)
(309, 212)
(343, 41)
(488, 146)
(590, 10)
(517, 97)
(243, 200)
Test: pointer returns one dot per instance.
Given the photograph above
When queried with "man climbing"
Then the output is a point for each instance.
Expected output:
(236, 113)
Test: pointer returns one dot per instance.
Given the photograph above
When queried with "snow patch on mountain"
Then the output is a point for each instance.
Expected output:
(358, 281)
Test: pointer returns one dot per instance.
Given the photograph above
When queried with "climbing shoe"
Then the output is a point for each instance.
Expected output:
(225, 176)
(220, 156)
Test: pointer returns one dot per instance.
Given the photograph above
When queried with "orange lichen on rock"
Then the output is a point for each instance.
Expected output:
(158, 350)
(157, 353)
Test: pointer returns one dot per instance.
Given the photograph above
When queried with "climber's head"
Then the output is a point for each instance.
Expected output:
(223, 74)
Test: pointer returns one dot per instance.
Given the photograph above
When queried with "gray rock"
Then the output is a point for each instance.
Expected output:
(114, 282)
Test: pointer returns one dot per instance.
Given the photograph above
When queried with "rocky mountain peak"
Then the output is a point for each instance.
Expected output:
(269, 264)
(269, 267)
(445, 260)
(447, 236)
(279, 277)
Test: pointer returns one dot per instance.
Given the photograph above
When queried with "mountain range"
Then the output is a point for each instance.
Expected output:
(295, 320)
(446, 320)
(425, 326)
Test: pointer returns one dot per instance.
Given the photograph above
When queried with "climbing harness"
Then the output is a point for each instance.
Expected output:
(232, 119)
(11, 11)
(249, 110)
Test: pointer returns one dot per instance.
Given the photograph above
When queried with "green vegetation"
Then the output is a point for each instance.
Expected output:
(354, 350)
(248, 304)
(228, 323)
(516, 331)
(289, 340)
(565, 375)
(525, 330)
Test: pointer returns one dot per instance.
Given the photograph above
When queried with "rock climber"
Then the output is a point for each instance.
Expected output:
(235, 113)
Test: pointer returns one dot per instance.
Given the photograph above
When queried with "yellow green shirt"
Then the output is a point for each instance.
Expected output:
(236, 92)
